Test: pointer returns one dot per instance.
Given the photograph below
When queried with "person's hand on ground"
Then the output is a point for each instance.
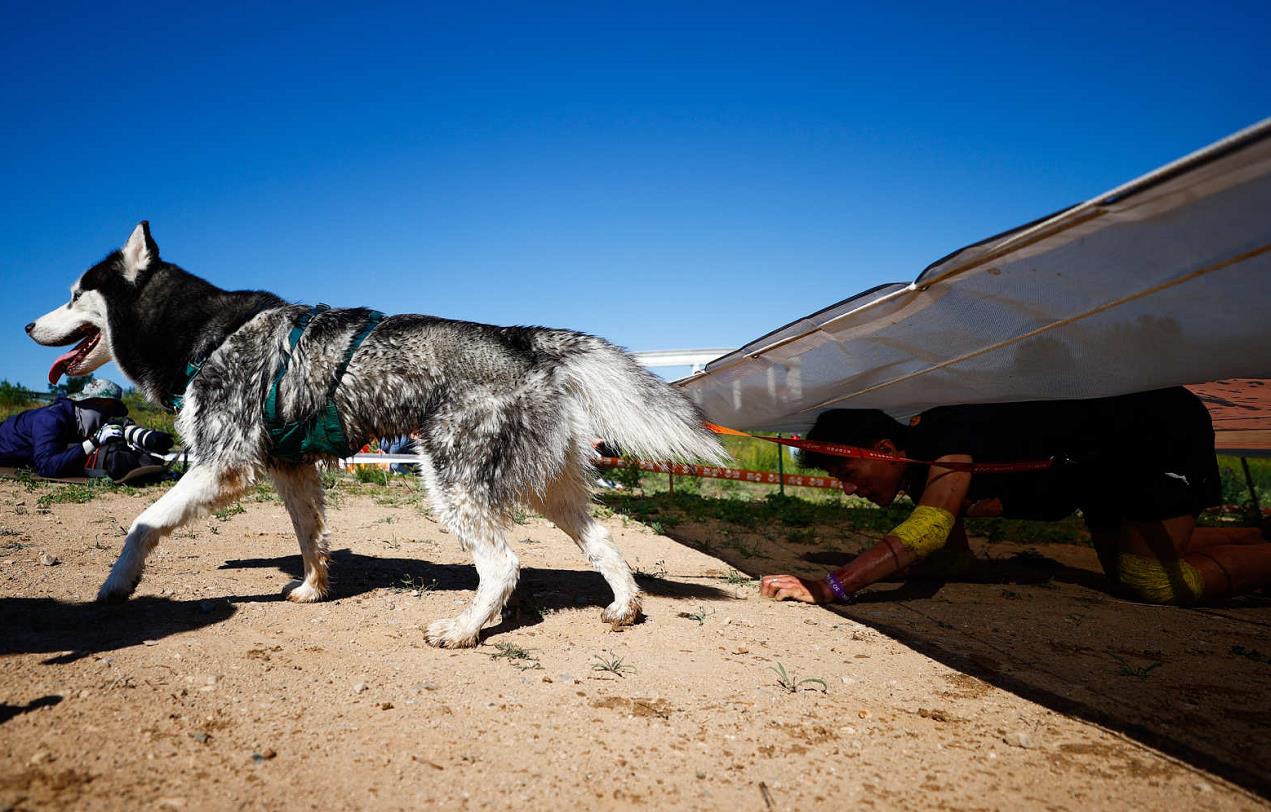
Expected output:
(791, 588)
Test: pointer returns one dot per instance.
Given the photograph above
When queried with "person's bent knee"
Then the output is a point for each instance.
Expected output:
(1173, 581)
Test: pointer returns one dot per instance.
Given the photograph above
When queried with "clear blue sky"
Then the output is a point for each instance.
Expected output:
(664, 175)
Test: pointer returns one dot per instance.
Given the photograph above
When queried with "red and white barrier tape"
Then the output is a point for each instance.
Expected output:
(710, 472)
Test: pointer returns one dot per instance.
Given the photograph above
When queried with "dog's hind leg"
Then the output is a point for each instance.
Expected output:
(200, 491)
(300, 487)
(567, 504)
(498, 570)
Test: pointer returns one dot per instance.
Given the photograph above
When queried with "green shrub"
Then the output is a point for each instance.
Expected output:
(628, 476)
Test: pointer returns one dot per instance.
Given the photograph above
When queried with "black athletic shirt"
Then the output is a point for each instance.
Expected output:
(1140, 457)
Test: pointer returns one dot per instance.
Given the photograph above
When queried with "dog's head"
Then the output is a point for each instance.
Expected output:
(83, 320)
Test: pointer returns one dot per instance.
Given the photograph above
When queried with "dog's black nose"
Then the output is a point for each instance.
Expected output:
(30, 327)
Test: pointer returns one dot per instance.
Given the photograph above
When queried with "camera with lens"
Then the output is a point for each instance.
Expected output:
(144, 439)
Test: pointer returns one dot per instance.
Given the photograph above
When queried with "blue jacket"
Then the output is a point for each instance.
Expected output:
(46, 438)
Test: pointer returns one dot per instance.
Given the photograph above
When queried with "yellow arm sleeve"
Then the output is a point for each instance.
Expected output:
(926, 529)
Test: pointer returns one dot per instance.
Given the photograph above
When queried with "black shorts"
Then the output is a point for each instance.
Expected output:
(1161, 465)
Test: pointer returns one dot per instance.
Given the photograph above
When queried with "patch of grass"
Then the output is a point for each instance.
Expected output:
(1128, 670)
(225, 513)
(520, 658)
(371, 474)
(735, 578)
(264, 492)
(804, 535)
(793, 685)
(520, 516)
(613, 664)
(746, 548)
(73, 493)
(700, 615)
(407, 583)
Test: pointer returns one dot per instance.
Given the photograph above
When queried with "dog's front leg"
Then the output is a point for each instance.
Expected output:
(200, 491)
(301, 489)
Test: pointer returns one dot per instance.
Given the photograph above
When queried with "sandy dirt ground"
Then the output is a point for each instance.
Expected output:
(1030, 689)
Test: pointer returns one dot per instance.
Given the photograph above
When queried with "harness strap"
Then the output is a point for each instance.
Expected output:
(372, 321)
(176, 400)
(272, 419)
(322, 433)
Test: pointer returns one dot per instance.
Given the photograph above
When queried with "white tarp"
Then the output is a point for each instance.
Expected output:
(1165, 280)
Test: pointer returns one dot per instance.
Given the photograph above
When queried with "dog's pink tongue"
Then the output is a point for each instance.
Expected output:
(64, 360)
(59, 366)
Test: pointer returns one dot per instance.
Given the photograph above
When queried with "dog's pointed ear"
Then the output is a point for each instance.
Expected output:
(139, 252)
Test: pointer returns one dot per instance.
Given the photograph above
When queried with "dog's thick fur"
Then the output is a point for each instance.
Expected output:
(505, 415)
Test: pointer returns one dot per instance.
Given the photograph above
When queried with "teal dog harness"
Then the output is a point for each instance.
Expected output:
(322, 433)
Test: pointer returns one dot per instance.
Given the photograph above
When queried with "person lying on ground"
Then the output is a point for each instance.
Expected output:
(1140, 467)
(85, 434)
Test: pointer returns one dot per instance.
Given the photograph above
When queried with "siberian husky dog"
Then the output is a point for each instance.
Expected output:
(505, 416)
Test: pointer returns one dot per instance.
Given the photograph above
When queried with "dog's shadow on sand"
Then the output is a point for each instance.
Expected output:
(539, 591)
(70, 631)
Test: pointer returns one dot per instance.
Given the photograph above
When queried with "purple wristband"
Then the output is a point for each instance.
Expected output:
(840, 594)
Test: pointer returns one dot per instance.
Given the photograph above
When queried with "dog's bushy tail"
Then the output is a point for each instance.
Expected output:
(630, 406)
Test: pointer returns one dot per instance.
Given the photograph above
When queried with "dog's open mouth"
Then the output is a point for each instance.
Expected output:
(68, 362)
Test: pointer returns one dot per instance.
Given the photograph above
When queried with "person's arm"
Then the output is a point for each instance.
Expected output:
(924, 532)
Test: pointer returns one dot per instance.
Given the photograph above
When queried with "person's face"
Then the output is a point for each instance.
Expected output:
(876, 480)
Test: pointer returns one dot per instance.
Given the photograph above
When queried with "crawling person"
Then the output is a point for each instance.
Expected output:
(85, 434)
(1140, 467)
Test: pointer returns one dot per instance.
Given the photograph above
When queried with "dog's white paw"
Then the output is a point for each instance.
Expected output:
(619, 614)
(449, 634)
(302, 592)
(117, 589)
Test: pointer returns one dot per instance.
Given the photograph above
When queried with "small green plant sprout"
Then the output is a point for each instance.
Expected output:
(735, 578)
(612, 663)
(371, 474)
(520, 658)
(522, 516)
(224, 514)
(700, 615)
(804, 535)
(657, 529)
(792, 685)
(658, 570)
(1128, 670)
(413, 585)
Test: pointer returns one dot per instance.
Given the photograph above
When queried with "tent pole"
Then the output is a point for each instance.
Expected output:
(1253, 492)
(781, 471)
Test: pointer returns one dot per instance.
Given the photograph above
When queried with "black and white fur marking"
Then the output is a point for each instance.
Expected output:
(505, 415)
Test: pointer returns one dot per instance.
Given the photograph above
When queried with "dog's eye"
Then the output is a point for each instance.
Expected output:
(75, 296)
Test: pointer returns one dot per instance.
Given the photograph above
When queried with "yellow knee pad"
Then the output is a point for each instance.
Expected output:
(1171, 581)
(926, 529)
